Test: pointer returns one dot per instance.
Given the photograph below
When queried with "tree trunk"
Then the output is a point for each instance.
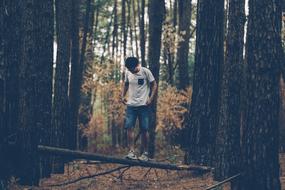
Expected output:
(130, 29)
(184, 10)
(107, 39)
(228, 148)
(123, 28)
(156, 16)
(61, 114)
(75, 76)
(28, 79)
(206, 84)
(44, 51)
(260, 130)
(135, 27)
(11, 45)
(115, 29)
(142, 32)
(82, 68)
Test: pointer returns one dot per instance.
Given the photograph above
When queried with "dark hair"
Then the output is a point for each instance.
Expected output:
(131, 63)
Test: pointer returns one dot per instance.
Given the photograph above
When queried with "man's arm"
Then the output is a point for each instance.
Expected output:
(124, 92)
(153, 88)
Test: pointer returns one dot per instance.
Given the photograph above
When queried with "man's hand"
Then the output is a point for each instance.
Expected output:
(123, 99)
(148, 102)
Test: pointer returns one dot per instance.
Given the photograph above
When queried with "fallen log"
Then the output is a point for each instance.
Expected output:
(110, 159)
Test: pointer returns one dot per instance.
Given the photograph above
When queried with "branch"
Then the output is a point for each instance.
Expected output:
(91, 156)
(87, 177)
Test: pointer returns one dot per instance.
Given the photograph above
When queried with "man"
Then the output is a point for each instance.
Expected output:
(139, 82)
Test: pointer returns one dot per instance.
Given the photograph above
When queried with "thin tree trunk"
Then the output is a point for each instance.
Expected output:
(228, 148)
(82, 68)
(107, 39)
(171, 54)
(135, 27)
(156, 16)
(44, 51)
(28, 78)
(9, 68)
(96, 22)
(91, 19)
(142, 32)
(61, 114)
(184, 10)
(75, 76)
(129, 26)
(123, 29)
(3, 174)
(207, 81)
(261, 129)
(115, 29)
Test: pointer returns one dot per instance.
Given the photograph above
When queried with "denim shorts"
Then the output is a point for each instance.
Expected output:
(140, 112)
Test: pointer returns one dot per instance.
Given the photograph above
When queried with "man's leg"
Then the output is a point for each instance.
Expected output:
(144, 137)
(143, 116)
(131, 142)
(129, 125)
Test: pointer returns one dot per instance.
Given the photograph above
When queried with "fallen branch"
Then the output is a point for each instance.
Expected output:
(89, 176)
(91, 156)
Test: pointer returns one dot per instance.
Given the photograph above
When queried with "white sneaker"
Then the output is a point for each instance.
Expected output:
(144, 157)
(131, 155)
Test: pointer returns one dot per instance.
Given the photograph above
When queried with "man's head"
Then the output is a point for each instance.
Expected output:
(132, 64)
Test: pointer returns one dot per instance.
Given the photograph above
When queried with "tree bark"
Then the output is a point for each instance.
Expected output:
(207, 81)
(156, 17)
(10, 59)
(61, 114)
(135, 27)
(227, 162)
(110, 159)
(142, 32)
(123, 28)
(260, 130)
(75, 76)
(115, 29)
(28, 77)
(184, 10)
(44, 51)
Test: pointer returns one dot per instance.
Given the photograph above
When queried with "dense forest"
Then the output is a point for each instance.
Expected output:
(220, 104)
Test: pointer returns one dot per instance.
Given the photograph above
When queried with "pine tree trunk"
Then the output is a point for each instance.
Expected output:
(129, 29)
(10, 59)
(156, 16)
(184, 10)
(123, 28)
(260, 130)
(75, 76)
(228, 148)
(135, 28)
(44, 51)
(28, 78)
(61, 114)
(4, 173)
(142, 32)
(107, 39)
(115, 29)
(207, 79)
(82, 71)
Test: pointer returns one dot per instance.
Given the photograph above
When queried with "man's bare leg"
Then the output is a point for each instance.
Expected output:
(131, 142)
(131, 154)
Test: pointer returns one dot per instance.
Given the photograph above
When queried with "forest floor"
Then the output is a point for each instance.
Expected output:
(129, 178)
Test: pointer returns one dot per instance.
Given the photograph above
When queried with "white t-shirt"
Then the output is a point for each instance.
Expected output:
(139, 88)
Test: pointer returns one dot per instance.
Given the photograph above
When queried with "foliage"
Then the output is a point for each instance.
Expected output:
(172, 109)
(95, 126)
(115, 107)
(106, 86)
